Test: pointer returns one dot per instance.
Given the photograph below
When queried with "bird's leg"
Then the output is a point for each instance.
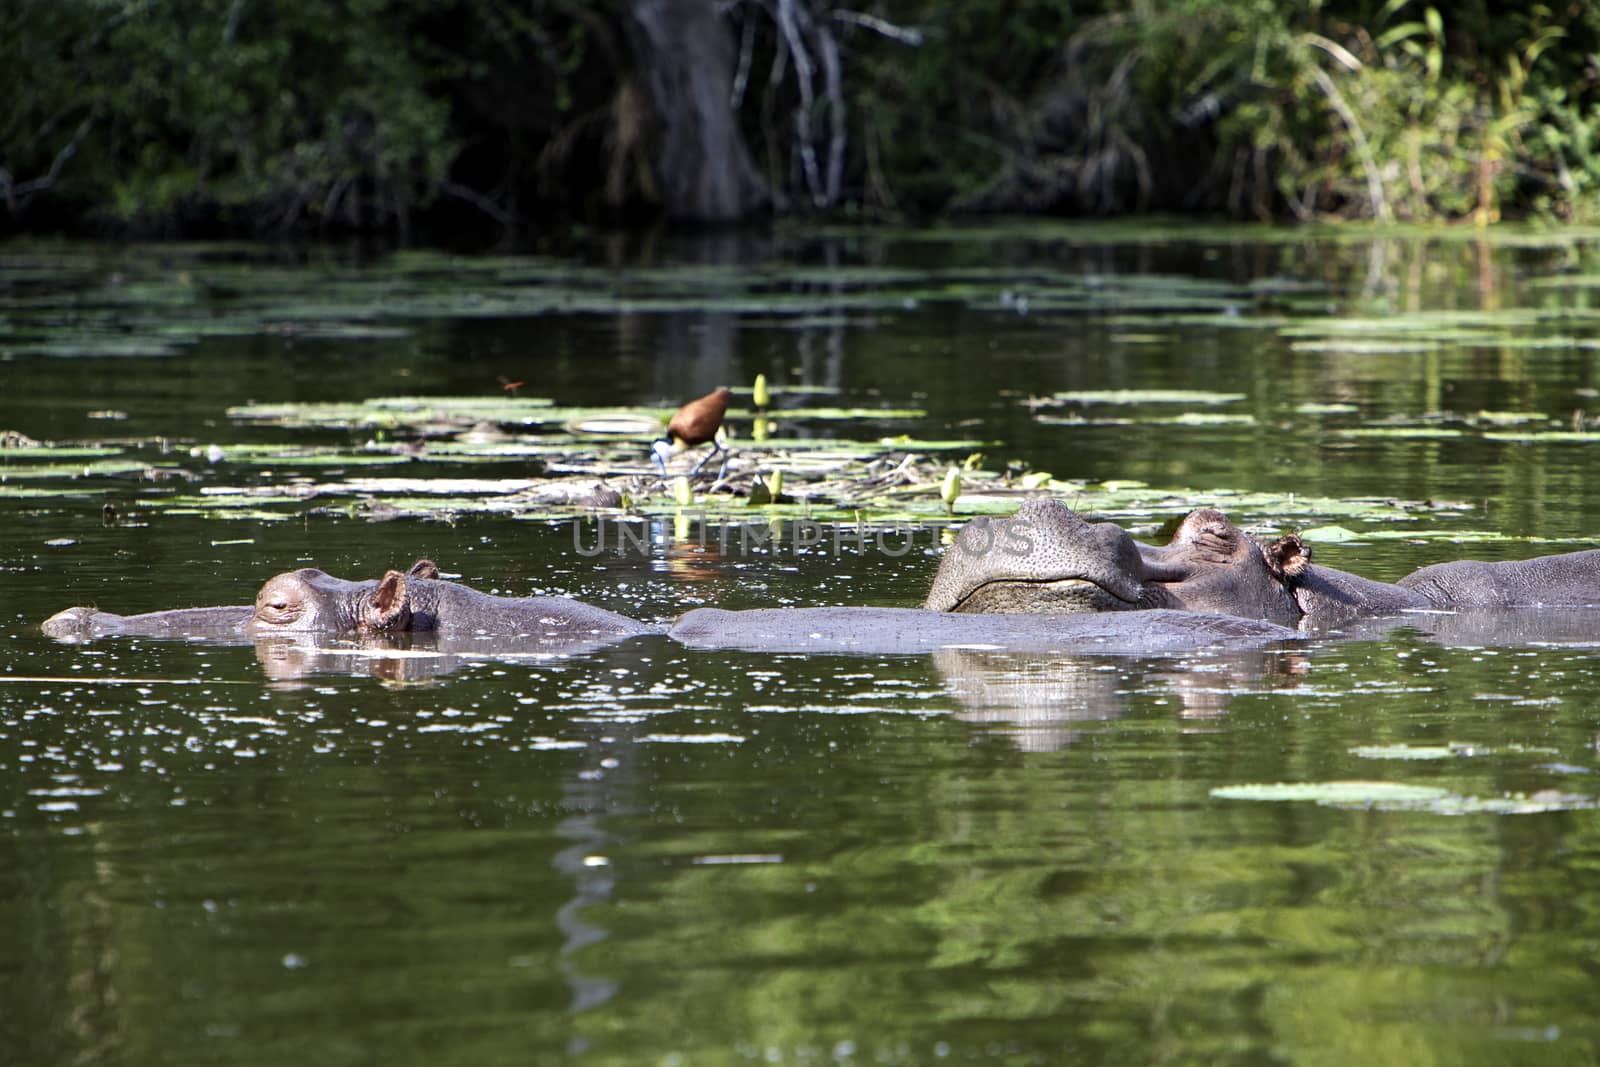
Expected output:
(716, 446)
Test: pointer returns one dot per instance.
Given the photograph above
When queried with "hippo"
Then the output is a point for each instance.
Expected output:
(311, 601)
(1047, 559)
(888, 631)
(1213, 585)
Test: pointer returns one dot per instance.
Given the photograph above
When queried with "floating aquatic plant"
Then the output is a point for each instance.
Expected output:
(1397, 796)
(1145, 396)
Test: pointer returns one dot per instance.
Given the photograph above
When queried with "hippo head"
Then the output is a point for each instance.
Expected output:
(297, 600)
(73, 624)
(1212, 565)
(1042, 560)
(1045, 559)
(309, 599)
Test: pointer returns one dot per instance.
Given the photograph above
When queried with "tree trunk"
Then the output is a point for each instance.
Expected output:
(686, 58)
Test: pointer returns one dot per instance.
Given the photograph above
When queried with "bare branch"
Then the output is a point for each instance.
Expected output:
(905, 35)
(1380, 203)
(1334, 49)
(833, 87)
(741, 75)
(231, 27)
(811, 45)
(17, 194)
(477, 200)
(788, 25)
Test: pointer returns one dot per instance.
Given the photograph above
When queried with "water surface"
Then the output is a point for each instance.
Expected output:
(645, 854)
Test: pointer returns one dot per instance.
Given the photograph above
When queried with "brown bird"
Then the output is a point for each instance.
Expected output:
(695, 423)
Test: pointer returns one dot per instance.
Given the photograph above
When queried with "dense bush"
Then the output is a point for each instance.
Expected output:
(216, 116)
(225, 115)
(1265, 108)
(222, 112)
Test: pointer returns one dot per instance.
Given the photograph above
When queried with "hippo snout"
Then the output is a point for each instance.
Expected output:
(73, 622)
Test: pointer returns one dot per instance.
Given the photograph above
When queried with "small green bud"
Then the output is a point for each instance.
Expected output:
(950, 492)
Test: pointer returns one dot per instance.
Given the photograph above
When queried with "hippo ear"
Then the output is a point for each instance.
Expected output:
(423, 568)
(1287, 558)
(385, 608)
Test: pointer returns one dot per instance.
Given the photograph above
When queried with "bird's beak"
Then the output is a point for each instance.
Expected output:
(660, 451)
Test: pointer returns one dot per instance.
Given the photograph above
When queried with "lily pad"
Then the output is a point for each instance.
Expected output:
(1362, 347)
(1407, 752)
(1439, 752)
(1146, 396)
(18, 492)
(93, 346)
(389, 411)
(1329, 535)
(1423, 433)
(621, 423)
(824, 414)
(1345, 794)
(293, 456)
(1544, 436)
(1442, 323)
(252, 513)
(37, 452)
(1204, 418)
(1396, 796)
(101, 468)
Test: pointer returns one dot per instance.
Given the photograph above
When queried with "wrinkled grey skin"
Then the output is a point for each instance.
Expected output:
(310, 601)
(1212, 566)
(1044, 559)
(85, 624)
(906, 630)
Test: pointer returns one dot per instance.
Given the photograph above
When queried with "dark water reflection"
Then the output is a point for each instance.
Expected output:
(346, 853)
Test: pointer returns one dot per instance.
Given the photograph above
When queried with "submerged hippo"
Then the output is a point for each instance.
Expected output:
(1046, 559)
(310, 601)
(886, 631)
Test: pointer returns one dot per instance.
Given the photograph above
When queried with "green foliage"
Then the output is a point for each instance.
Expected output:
(222, 115)
(1264, 108)
(252, 115)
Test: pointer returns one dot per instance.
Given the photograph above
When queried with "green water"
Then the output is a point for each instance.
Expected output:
(644, 854)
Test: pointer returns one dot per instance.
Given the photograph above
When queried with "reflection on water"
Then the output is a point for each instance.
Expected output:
(1035, 699)
(412, 852)
(404, 658)
(585, 864)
